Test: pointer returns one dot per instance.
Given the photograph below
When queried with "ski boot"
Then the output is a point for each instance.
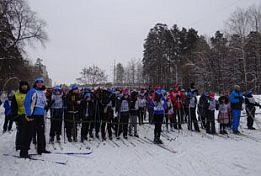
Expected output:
(24, 154)
(58, 138)
(136, 135)
(51, 140)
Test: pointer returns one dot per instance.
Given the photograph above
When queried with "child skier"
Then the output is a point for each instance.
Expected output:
(8, 114)
(134, 110)
(224, 113)
(212, 106)
(250, 109)
(192, 111)
(159, 111)
(56, 114)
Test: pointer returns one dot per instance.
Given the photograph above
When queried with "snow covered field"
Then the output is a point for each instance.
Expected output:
(197, 154)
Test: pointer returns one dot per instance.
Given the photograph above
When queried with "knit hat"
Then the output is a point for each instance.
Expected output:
(39, 79)
(74, 87)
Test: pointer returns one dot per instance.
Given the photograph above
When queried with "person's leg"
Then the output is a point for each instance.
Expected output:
(103, 130)
(135, 121)
(194, 119)
(59, 126)
(251, 122)
(19, 132)
(167, 122)
(5, 124)
(10, 125)
(84, 130)
(179, 119)
(248, 111)
(26, 137)
(109, 128)
(125, 125)
(131, 124)
(236, 120)
(52, 129)
(41, 145)
(213, 123)
(175, 119)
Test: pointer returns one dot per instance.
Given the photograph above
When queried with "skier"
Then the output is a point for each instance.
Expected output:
(192, 111)
(23, 126)
(159, 111)
(236, 100)
(35, 104)
(202, 108)
(149, 104)
(250, 109)
(123, 108)
(8, 114)
(109, 116)
(72, 117)
(98, 114)
(142, 110)
(56, 114)
(170, 115)
(224, 113)
(212, 106)
(106, 104)
(177, 103)
(134, 110)
(87, 113)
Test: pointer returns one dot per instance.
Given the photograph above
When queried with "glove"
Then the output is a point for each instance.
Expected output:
(28, 118)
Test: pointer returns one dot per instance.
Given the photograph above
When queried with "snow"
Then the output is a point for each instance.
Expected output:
(197, 154)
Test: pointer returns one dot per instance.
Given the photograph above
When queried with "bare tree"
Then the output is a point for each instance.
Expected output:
(239, 22)
(19, 26)
(92, 75)
(24, 23)
(254, 13)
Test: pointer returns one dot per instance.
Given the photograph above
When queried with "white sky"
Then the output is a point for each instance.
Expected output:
(86, 32)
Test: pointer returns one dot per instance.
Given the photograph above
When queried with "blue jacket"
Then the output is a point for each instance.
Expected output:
(236, 100)
(35, 102)
(159, 108)
(7, 106)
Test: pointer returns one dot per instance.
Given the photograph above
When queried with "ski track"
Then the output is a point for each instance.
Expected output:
(197, 154)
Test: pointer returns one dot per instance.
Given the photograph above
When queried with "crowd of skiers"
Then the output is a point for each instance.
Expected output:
(108, 111)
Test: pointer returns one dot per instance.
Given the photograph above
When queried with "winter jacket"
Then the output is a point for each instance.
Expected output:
(57, 101)
(224, 113)
(134, 107)
(193, 102)
(72, 102)
(87, 109)
(236, 100)
(18, 104)
(7, 106)
(250, 103)
(212, 105)
(35, 102)
(203, 105)
(18, 108)
(124, 105)
(160, 107)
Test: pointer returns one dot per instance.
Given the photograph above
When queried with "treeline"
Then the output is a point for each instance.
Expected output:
(179, 55)
(19, 26)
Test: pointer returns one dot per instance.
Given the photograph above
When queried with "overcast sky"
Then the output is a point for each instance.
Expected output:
(86, 32)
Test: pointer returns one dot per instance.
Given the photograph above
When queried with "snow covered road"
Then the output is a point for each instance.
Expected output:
(197, 154)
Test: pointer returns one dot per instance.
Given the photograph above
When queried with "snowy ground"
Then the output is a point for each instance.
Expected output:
(197, 154)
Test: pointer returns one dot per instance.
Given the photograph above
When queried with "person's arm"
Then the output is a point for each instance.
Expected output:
(14, 106)
(28, 103)
(6, 104)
